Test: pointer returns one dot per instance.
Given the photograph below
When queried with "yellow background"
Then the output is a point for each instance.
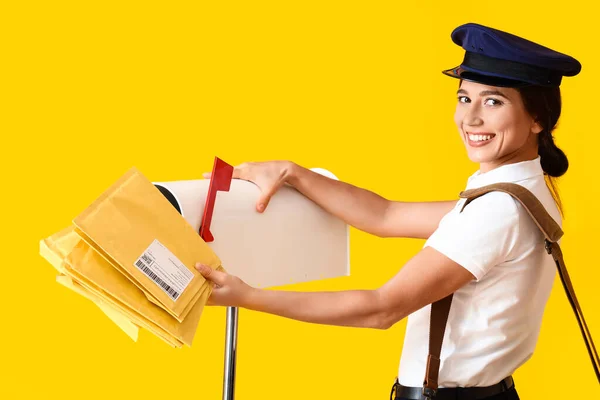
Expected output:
(90, 89)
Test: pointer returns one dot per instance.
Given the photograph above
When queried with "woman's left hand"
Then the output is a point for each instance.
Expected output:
(229, 290)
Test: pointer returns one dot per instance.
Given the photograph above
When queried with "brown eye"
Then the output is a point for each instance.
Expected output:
(493, 102)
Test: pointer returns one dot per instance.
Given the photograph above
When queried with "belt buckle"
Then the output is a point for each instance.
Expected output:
(429, 393)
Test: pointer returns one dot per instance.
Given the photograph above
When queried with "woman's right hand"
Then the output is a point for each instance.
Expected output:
(269, 176)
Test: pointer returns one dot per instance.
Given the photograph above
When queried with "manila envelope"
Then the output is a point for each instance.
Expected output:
(93, 272)
(56, 248)
(130, 329)
(176, 334)
(64, 245)
(135, 317)
(143, 236)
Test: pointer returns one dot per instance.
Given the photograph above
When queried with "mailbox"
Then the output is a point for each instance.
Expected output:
(294, 240)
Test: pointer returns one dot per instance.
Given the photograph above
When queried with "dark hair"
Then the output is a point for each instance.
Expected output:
(544, 104)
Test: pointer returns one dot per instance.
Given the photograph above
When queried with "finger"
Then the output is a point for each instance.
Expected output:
(212, 275)
(265, 198)
(240, 171)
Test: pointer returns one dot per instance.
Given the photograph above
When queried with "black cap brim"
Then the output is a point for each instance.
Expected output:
(461, 73)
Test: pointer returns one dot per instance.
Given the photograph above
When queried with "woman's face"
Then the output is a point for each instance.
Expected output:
(494, 125)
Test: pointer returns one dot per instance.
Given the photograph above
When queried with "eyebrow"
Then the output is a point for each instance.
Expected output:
(485, 93)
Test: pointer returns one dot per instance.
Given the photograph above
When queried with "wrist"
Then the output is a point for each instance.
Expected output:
(250, 300)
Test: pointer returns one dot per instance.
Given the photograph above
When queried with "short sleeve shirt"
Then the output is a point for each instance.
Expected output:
(495, 319)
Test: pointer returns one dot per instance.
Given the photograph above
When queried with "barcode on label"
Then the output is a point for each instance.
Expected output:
(140, 264)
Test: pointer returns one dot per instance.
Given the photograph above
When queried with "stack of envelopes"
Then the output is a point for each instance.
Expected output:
(133, 254)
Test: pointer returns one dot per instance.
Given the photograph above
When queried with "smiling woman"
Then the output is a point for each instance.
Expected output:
(505, 125)
(488, 259)
(495, 126)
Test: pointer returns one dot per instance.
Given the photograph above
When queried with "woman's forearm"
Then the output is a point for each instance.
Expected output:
(366, 210)
(354, 308)
(360, 208)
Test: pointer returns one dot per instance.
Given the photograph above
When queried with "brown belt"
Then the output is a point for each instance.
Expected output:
(468, 393)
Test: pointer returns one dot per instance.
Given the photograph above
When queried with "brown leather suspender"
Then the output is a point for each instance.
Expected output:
(439, 316)
(552, 232)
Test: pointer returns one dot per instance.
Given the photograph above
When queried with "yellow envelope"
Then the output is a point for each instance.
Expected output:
(93, 272)
(135, 317)
(130, 329)
(143, 236)
(55, 248)
(64, 244)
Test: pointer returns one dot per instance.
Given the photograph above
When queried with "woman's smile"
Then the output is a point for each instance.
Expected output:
(479, 139)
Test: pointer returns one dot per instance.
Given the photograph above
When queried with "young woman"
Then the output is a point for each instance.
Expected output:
(491, 255)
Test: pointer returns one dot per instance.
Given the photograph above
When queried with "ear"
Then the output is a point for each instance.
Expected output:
(536, 127)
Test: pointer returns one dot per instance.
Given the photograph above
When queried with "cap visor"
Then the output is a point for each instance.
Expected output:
(461, 73)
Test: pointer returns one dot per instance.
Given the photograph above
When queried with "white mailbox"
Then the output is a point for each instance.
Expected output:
(294, 240)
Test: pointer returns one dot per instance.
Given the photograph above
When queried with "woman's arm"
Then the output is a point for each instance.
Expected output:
(365, 210)
(426, 278)
(413, 219)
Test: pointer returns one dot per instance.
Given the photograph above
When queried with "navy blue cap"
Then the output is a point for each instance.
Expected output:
(498, 58)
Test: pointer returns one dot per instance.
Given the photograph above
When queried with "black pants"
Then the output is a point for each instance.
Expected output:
(508, 395)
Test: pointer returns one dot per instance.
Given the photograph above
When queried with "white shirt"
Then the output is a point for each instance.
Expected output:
(495, 320)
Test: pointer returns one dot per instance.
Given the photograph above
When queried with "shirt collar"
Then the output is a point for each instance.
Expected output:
(507, 173)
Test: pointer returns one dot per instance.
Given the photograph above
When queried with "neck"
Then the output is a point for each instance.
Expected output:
(520, 155)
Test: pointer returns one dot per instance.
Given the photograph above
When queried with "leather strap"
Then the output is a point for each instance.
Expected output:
(552, 233)
(555, 251)
(533, 206)
(437, 327)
